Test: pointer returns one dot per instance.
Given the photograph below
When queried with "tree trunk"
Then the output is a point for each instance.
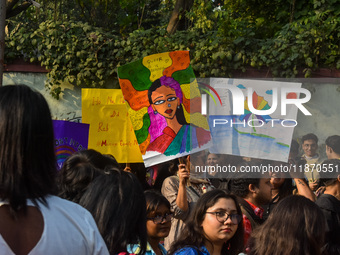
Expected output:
(2, 36)
(181, 7)
(7, 12)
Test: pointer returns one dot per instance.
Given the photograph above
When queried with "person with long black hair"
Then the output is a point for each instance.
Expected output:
(296, 226)
(117, 203)
(32, 219)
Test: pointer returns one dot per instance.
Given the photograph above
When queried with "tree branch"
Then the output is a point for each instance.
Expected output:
(13, 12)
(181, 7)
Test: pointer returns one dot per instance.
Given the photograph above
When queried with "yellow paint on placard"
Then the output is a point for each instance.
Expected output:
(156, 64)
(111, 131)
(137, 117)
(199, 120)
(194, 89)
(196, 119)
(102, 97)
(186, 115)
(190, 90)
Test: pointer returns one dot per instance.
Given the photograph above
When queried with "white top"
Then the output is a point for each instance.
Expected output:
(68, 229)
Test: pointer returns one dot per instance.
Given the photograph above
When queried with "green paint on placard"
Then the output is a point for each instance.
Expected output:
(184, 76)
(137, 73)
(283, 144)
(142, 134)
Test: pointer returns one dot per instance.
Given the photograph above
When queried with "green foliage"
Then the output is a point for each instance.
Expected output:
(221, 42)
(310, 42)
(254, 19)
(123, 16)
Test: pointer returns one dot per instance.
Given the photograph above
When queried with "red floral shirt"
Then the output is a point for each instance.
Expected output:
(246, 222)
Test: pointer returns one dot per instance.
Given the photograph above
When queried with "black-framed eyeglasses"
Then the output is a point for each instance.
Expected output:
(160, 218)
(224, 216)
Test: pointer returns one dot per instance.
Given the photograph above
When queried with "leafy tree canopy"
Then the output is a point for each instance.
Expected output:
(83, 42)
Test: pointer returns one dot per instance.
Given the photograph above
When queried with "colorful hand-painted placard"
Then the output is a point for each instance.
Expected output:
(159, 90)
(70, 137)
(257, 132)
(111, 130)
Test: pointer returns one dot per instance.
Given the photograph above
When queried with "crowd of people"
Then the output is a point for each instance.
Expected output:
(94, 205)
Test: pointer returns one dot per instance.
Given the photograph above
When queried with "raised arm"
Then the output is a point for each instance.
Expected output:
(303, 189)
(182, 198)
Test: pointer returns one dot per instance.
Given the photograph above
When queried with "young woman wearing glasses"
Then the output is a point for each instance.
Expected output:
(215, 227)
(158, 223)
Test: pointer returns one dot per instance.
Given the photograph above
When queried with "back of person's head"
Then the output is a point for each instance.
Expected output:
(334, 143)
(240, 187)
(99, 160)
(295, 226)
(76, 174)
(27, 159)
(193, 234)
(139, 170)
(286, 189)
(310, 136)
(117, 203)
(330, 175)
(249, 183)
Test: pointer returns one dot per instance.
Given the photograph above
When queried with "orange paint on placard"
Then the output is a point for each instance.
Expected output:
(144, 145)
(138, 99)
(180, 61)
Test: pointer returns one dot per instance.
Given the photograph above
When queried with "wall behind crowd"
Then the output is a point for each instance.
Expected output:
(324, 104)
(68, 107)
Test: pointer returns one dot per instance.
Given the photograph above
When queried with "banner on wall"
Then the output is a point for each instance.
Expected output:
(69, 138)
(111, 131)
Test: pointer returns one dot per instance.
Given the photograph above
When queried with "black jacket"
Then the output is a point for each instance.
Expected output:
(330, 207)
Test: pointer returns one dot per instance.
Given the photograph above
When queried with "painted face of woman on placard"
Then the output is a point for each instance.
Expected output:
(165, 101)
